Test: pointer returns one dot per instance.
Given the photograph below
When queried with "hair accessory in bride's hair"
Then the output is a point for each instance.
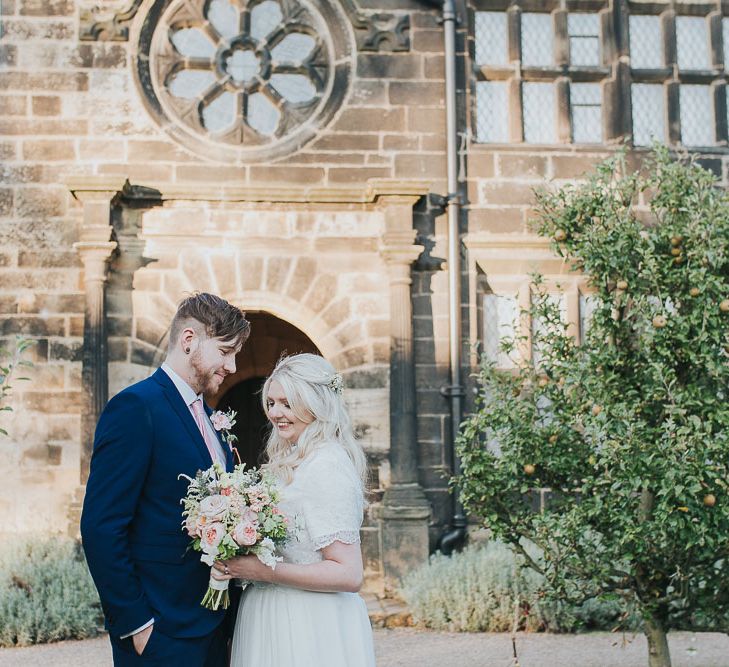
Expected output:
(336, 384)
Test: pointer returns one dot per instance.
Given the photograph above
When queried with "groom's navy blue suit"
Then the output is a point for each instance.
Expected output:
(131, 527)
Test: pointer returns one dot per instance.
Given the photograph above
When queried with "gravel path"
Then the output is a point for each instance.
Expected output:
(416, 648)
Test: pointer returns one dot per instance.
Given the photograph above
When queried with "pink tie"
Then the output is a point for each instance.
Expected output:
(199, 413)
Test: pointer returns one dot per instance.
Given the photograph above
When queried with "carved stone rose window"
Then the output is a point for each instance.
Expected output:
(240, 81)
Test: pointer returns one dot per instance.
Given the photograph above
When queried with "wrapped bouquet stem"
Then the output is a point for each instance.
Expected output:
(233, 514)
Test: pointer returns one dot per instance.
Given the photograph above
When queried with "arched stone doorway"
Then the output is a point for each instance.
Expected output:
(270, 338)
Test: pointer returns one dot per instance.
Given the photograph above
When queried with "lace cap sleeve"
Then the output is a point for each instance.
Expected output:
(333, 500)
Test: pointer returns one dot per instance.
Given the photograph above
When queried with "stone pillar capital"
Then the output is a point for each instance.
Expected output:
(95, 257)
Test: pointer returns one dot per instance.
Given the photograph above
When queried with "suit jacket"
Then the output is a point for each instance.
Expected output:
(131, 524)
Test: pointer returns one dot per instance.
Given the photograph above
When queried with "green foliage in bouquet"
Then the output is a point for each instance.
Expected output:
(629, 429)
(485, 588)
(46, 592)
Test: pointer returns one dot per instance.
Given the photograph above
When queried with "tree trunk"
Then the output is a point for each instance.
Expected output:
(658, 654)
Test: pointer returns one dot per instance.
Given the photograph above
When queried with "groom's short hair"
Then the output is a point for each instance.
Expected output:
(219, 318)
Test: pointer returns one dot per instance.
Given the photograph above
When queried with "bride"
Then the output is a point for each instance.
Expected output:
(306, 612)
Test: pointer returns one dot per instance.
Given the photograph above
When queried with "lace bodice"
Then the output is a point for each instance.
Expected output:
(325, 501)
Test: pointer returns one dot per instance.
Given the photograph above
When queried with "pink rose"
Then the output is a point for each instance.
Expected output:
(211, 536)
(191, 526)
(221, 421)
(249, 516)
(214, 506)
(245, 534)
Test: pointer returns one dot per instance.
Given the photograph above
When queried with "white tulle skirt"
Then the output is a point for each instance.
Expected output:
(287, 627)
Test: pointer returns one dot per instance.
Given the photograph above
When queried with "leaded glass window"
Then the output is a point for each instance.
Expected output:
(584, 37)
(537, 40)
(539, 105)
(692, 43)
(492, 111)
(646, 42)
(649, 111)
(697, 117)
(491, 38)
(586, 106)
(500, 319)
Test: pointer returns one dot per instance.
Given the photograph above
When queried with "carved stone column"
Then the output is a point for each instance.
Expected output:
(406, 510)
(95, 250)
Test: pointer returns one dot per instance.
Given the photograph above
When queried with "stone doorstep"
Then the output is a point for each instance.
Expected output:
(387, 612)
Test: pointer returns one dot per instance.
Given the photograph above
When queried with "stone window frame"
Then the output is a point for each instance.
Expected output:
(615, 74)
(341, 47)
(560, 74)
(671, 76)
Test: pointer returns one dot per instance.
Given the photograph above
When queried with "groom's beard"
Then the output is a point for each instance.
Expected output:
(203, 379)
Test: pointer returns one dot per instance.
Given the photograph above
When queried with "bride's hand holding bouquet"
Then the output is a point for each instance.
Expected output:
(233, 514)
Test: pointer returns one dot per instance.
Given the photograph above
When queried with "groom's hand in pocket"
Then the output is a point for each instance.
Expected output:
(141, 638)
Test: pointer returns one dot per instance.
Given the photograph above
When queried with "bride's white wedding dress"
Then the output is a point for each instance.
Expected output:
(278, 626)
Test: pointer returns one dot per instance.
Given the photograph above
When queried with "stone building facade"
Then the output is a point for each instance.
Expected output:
(290, 155)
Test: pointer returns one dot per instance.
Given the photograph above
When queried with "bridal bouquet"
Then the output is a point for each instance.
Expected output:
(232, 514)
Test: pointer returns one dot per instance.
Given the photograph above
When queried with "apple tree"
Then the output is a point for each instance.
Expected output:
(628, 428)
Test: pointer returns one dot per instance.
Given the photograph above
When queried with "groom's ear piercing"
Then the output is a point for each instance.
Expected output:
(187, 350)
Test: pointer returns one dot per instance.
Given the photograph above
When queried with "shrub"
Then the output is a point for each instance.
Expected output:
(476, 590)
(46, 592)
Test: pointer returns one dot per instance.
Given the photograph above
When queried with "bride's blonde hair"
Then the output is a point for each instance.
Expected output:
(313, 390)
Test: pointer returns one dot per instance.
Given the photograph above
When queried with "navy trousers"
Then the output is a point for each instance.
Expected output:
(164, 651)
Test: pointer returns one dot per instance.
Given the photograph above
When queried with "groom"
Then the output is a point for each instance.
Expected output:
(149, 583)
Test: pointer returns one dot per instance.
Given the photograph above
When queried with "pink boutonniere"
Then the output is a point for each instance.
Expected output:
(223, 422)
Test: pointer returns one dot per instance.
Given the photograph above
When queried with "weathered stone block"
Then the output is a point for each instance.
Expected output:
(44, 202)
(139, 173)
(434, 67)
(304, 175)
(165, 151)
(224, 270)
(7, 150)
(347, 142)
(60, 81)
(24, 29)
(52, 402)
(480, 165)
(6, 201)
(46, 7)
(526, 167)
(371, 120)
(100, 55)
(371, 378)
(30, 127)
(66, 350)
(321, 292)
(277, 269)
(428, 41)
(420, 165)
(369, 93)
(13, 105)
(144, 355)
(118, 349)
(8, 55)
(33, 326)
(417, 93)
(302, 276)
(251, 273)
(101, 149)
(46, 105)
(358, 174)
(426, 119)
(337, 312)
(435, 143)
(49, 150)
(514, 194)
(389, 66)
(574, 166)
(354, 356)
(119, 326)
(150, 331)
(501, 220)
